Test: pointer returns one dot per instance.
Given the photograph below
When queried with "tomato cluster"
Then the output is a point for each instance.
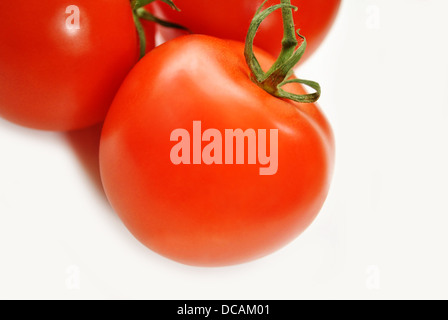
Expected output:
(211, 153)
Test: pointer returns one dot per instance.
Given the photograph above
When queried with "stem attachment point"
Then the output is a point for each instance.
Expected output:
(281, 71)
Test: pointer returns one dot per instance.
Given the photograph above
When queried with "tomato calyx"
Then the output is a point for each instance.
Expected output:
(281, 71)
(139, 12)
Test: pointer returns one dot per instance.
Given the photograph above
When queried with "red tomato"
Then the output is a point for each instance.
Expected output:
(211, 215)
(62, 61)
(230, 19)
(150, 29)
(150, 33)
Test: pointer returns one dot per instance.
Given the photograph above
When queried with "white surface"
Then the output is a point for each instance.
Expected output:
(381, 234)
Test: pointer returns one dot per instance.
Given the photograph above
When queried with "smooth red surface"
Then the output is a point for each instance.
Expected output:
(230, 19)
(150, 32)
(53, 78)
(210, 215)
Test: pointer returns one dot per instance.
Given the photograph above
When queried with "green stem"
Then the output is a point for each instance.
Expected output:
(139, 12)
(141, 33)
(289, 42)
(144, 14)
(136, 4)
(257, 72)
(281, 71)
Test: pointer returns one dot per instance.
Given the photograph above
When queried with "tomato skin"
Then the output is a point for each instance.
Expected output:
(230, 19)
(210, 215)
(57, 79)
(150, 33)
(150, 29)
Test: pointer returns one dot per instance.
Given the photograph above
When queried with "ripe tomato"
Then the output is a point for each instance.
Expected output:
(61, 64)
(211, 215)
(230, 19)
(150, 33)
(149, 26)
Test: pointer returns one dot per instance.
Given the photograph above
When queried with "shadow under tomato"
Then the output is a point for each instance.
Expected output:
(85, 144)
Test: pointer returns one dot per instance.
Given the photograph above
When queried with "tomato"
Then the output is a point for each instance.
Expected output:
(150, 34)
(149, 26)
(230, 19)
(211, 214)
(62, 61)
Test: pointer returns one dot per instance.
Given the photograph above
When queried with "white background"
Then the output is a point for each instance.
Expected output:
(381, 235)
